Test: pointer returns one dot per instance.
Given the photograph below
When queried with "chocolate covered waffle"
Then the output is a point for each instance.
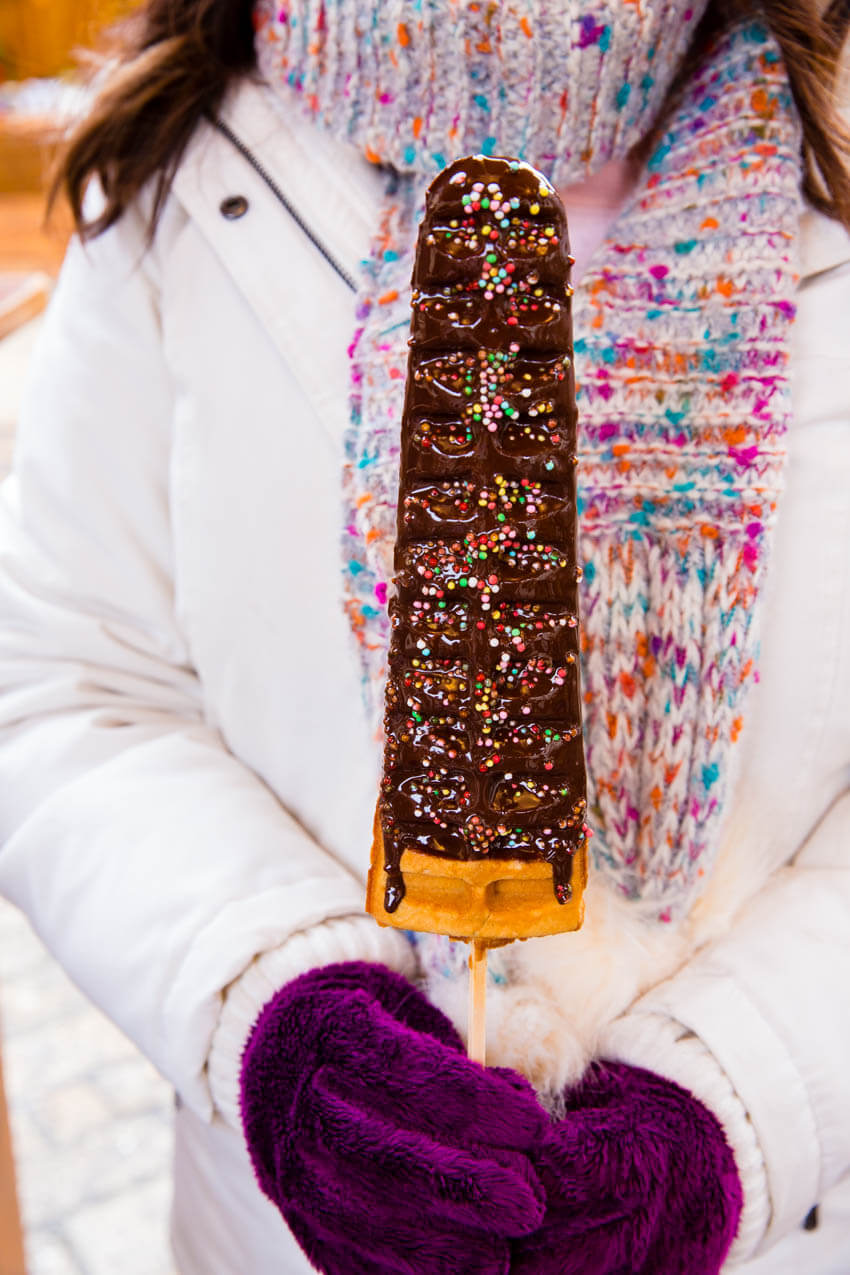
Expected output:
(479, 827)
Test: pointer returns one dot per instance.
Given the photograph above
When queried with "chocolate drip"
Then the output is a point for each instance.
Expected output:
(394, 892)
(483, 748)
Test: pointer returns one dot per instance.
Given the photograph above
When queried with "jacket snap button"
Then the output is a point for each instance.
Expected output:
(234, 206)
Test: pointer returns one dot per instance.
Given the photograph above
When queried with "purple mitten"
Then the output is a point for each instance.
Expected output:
(639, 1180)
(385, 1149)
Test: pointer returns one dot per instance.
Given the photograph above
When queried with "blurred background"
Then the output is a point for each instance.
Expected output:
(85, 1140)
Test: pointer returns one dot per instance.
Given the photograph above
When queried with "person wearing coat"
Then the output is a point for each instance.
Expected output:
(189, 771)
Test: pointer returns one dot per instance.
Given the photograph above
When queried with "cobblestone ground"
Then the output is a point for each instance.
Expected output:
(90, 1117)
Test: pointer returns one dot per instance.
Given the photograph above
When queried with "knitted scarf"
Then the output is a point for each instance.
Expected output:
(682, 322)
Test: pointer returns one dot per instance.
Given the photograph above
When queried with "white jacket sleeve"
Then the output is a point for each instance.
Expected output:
(743, 1026)
(154, 864)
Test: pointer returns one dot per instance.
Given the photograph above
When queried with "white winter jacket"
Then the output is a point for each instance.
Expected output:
(187, 773)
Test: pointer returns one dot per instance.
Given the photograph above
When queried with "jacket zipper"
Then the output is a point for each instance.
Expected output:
(281, 197)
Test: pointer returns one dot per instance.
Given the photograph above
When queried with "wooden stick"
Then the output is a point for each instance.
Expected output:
(477, 1023)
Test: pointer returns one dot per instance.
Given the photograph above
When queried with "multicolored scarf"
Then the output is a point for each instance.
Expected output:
(682, 322)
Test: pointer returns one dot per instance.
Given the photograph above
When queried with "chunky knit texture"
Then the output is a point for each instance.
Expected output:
(682, 321)
(416, 83)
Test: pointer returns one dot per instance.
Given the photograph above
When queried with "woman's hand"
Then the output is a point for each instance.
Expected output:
(384, 1148)
(639, 1181)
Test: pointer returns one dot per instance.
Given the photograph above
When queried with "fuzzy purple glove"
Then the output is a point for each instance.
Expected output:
(639, 1179)
(384, 1148)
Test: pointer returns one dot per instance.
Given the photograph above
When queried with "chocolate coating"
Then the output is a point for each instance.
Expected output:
(483, 751)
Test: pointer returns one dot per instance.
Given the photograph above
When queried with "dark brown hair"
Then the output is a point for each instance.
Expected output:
(179, 57)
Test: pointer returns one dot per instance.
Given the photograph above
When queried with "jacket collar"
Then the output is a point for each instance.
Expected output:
(294, 292)
(337, 191)
(824, 243)
(339, 195)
